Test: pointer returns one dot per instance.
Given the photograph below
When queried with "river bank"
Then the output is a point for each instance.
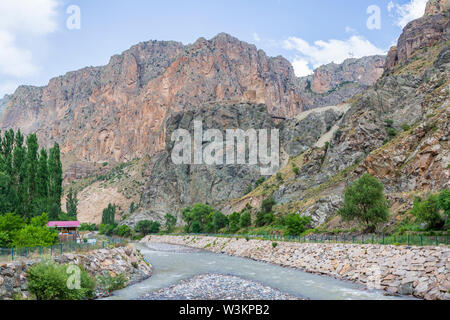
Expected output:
(180, 271)
(416, 271)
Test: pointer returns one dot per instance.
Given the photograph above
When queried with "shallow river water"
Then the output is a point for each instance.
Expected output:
(172, 263)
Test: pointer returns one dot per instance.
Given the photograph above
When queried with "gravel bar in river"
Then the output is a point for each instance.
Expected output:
(218, 287)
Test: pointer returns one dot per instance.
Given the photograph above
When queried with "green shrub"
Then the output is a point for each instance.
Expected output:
(296, 225)
(246, 219)
(234, 220)
(49, 281)
(88, 227)
(108, 283)
(108, 229)
(279, 177)
(406, 127)
(171, 222)
(274, 244)
(296, 170)
(124, 231)
(147, 226)
(427, 211)
(260, 181)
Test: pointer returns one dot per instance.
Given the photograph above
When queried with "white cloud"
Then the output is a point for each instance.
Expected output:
(324, 52)
(407, 12)
(23, 18)
(14, 61)
(256, 37)
(302, 67)
(36, 17)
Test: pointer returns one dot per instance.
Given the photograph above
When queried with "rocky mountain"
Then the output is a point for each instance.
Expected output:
(171, 187)
(333, 83)
(117, 112)
(421, 33)
(397, 130)
(105, 116)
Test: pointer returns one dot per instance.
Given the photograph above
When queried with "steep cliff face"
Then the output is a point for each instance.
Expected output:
(397, 131)
(333, 83)
(172, 187)
(436, 6)
(421, 33)
(117, 112)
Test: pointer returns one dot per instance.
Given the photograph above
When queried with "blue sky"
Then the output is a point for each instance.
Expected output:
(36, 44)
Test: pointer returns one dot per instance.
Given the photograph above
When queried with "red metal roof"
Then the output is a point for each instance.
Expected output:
(64, 224)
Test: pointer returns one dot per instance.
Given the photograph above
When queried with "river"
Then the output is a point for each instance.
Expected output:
(172, 264)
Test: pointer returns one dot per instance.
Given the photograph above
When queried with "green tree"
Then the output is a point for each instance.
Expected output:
(124, 231)
(55, 177)
(234, 221)
(42, 182)
(20, 174)
(427, 211)
(444, 201)
(246, 219)
(10, 224)
(171, 222)
(32, 166)
(200, 214)
(365, 202)
(267, 205)
(108, 215)
(295, 224)
(34, 236)
(71, 204)
(147, 227)
(220, 221)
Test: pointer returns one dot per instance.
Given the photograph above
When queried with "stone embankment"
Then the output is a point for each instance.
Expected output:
(422, 272)
(115, 261)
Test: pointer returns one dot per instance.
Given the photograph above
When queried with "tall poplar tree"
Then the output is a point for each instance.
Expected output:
(55, 179)
(32, 166)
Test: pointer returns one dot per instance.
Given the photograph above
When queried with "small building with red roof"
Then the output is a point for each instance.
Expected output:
(68, 230)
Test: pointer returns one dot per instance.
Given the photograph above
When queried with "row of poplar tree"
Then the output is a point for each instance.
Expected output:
(30, 177)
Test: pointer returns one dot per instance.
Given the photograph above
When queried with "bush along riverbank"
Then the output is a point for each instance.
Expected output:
(417, 271)
(100, 272)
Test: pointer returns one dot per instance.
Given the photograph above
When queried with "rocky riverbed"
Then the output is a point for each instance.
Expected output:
(218, 287)
(421, 272)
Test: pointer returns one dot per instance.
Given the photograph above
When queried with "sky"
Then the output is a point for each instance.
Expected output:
(42, 39)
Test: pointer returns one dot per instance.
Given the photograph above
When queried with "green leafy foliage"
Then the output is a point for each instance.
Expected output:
(30, 181)
(171, 222)
(124, 231)
(108, 283)
(296, 224)
(49, 281)
(88, 227)
(147, 227)
(429, 210)
(246, 219)
(108, 215)
(365, 202)
(108, 229)
(234, 219)
(72, 204)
